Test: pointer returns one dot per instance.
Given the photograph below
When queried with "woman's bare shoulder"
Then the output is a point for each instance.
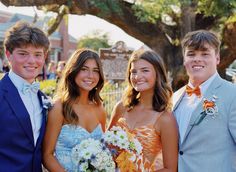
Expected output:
(119, 108)
(117, 113)
(100, 109)
(55, 112)
(166, 118)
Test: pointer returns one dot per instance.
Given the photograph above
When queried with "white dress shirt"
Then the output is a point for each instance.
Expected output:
(188, 104)
(31, 102)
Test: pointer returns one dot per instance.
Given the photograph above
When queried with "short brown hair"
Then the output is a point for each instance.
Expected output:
(23, 34)
(197, 40)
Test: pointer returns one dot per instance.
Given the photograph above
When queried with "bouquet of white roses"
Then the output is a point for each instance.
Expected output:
(92, 155)
(126, 149)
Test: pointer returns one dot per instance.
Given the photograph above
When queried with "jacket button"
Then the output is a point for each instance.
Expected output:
(181, 152)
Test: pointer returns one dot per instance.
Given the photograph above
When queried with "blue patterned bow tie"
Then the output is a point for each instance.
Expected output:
(30, 87)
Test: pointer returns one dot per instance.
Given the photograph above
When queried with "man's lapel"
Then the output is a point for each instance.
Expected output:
(177, 97)
(44, 113)
(212, 90)
(195, 115)
(17, 105)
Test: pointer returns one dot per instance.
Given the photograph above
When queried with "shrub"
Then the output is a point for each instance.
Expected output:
(48, 87)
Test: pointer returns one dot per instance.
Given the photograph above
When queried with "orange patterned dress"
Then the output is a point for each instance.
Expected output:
(151, 143)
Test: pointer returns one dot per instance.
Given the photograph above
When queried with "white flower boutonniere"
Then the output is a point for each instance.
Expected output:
(47, 102)
(209, 108)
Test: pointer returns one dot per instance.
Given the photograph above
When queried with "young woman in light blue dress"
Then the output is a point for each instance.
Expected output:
(77, 114)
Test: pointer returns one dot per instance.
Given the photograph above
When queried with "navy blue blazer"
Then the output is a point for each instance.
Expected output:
(17, 150)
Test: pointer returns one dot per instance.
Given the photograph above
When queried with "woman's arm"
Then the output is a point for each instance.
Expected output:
(53, 128)
(117, 112)
(169, 139)
(102, 117)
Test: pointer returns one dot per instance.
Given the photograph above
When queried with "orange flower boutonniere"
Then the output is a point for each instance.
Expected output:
(209, 108)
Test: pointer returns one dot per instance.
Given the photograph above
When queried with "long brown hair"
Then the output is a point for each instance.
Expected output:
(68, 90)
(162, 90)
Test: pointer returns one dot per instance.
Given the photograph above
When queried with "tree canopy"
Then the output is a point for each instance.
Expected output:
(160, 24)
(94, 41)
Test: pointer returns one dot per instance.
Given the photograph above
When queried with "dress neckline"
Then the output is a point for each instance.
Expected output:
(135, 128)
(141, 126)
(80, 127)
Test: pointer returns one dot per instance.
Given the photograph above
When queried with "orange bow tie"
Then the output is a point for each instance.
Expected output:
(195, 91)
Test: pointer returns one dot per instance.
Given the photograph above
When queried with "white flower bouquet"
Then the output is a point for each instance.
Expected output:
(125, 148)
(92, 155)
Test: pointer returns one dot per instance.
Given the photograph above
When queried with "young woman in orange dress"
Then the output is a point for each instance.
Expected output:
(145, 111)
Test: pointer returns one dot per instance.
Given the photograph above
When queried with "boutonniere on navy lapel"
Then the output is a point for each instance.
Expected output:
(47, 102)
(209, 108)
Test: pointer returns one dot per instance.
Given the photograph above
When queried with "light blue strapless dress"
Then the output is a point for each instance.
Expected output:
(69, 137)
